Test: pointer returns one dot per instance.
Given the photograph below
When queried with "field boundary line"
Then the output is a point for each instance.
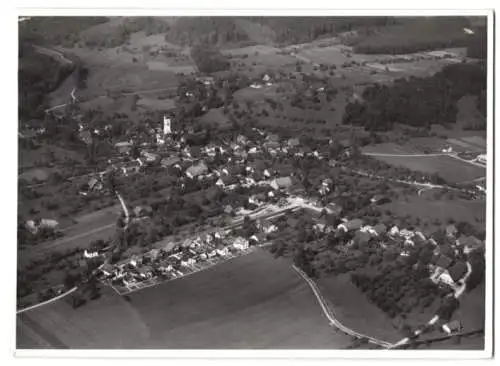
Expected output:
(46, 302)
(329, 314)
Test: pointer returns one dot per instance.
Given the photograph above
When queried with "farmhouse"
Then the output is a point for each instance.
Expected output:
(354, 224)
(282, 183)
(453, 327)
(380, 229)
(196, 170)
(481, 159)
(169, 161)
(457, 271)
(361, 238)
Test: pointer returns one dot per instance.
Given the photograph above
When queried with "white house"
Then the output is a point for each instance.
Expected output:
(394, 231)
(167, 125)
(481, 158)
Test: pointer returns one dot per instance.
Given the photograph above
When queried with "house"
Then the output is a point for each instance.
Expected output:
(379, 199)
(333, 209)
(451, 230)
(394, 231)
(470, 243)
(434, 259)
(94, 184)
(294, 142)
(170, 161)
(354, 224)
(332, 163)
(453, 327)
(444, 262)
(282, 183)
(361, 237)
(481, 158)
(240, 243)
(196, 170)
(141, 211)
(446, 249)
(380, 229)
(457, 271)
(123, 147)
(407, 234)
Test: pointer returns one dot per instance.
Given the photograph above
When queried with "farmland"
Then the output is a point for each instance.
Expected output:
(353, 309)
(434, 211)
(252, 302)
(450, 169)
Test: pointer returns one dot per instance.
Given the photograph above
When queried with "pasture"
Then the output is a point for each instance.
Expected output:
(253, 302)
(450, 169)
(353, 309)
(433, 212)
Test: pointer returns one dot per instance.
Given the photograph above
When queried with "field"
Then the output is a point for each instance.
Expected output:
(354, 310)
(251, 302)
(450, 169)
(429, 209)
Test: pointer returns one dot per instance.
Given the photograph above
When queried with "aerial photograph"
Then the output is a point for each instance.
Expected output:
(252, 183)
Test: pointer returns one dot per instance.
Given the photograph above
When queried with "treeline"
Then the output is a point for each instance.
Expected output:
(209, 59)
(39, 75)
(413, 35)
(418, 102)
(57, 30)
(211, 30)
(290, 30)
(118, 35)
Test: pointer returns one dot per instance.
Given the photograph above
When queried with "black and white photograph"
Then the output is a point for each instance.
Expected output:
(254, 182)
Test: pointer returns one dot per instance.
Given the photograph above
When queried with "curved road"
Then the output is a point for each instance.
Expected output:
(328, 313)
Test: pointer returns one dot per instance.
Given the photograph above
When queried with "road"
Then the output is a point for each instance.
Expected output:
(53, 53)
(331, 318)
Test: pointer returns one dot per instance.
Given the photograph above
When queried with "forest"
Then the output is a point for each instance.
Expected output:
(38, 75)
(209, 59)
(418, 102)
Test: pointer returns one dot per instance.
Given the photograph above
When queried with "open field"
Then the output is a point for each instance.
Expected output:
(469, 143)
(251, 302)
(450, 169)
(430, 209)
(354, 310)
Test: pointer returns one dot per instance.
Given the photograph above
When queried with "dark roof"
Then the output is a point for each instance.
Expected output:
(444, 262)
(457, 271)
(362, 237)
(451, 230)
(434, 258)
(354, 224)
(380, 228)
(446, 249)
(229, 179)
(284, 182)
(171, 160)
(197, 169)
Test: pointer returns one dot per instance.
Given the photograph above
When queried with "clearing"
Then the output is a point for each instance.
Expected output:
(253, 301)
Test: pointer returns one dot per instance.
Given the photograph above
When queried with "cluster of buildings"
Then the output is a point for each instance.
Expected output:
(189, 256)
(447, 266)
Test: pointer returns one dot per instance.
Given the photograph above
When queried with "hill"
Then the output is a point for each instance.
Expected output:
(254, 301)
(418, 102)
